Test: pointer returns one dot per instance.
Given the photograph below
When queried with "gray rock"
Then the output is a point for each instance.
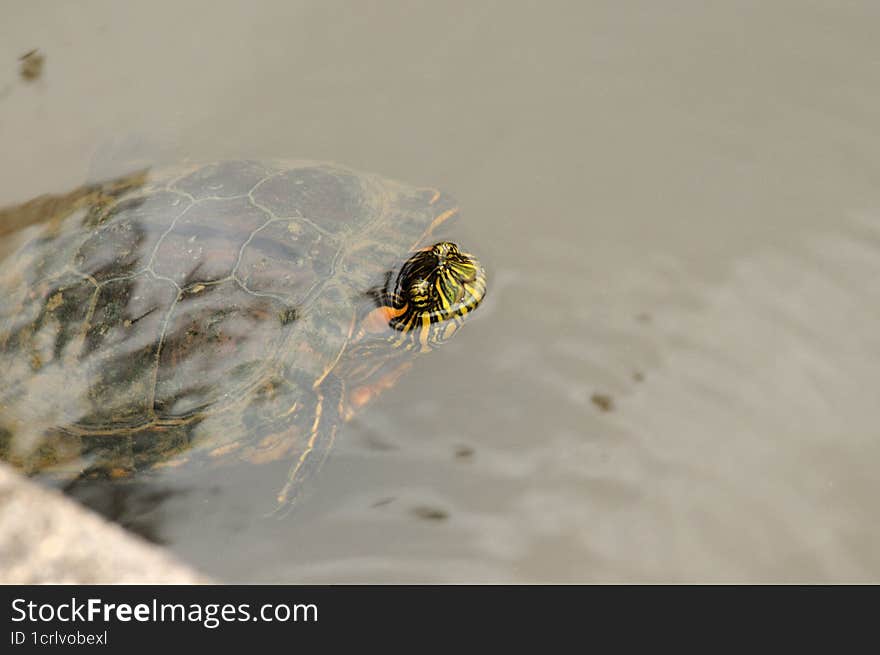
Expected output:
(47, 538)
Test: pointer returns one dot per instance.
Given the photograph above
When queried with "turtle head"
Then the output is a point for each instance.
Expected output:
(432, 294)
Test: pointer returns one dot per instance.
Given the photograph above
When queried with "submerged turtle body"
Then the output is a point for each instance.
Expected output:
(231, 310)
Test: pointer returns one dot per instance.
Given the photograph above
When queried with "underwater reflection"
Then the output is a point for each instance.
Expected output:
(137, 506)
(218, 313)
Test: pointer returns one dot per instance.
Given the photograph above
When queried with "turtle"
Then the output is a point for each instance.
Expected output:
(218, 312)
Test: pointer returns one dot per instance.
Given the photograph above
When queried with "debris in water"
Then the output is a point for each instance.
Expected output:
(464, 452)
(603, 401)
(430, 513)
(31, 65)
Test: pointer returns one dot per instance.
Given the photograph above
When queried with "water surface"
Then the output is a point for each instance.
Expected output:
(674, 376)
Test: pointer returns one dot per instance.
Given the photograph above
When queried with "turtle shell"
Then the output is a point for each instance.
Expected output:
(193, 314)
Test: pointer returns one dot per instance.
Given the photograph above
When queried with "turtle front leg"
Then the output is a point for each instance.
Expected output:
(327, 418)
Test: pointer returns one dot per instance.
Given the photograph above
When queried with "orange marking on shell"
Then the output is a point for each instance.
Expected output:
(264, 456)
(270, 449)
(378, 320)
(225, 450)
(171, 463)
(118, 472)
(269, 442)
(362, 395)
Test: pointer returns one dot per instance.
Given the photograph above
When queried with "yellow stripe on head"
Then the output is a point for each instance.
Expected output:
(434, 291)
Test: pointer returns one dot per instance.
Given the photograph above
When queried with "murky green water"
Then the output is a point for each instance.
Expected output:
(674, 376)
